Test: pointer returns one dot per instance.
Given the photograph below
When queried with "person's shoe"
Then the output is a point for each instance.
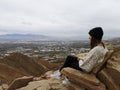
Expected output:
(66, 81)
(56, 75)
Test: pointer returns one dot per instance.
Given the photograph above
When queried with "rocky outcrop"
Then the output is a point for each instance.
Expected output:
(104, 77)
(45, 84)
(24, 64)
(88, 81)
(18, 65)
(8, 73)
(110, 75)
(107, 78)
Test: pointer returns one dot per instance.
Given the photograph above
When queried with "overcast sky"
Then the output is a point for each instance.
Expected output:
(59, 17)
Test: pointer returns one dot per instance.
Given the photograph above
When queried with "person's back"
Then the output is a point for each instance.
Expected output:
(93, 58)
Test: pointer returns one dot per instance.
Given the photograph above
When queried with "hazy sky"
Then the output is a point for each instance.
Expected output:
(59, 17)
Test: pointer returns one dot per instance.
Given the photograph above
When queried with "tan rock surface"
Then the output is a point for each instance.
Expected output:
(110, 75)
(88, 81)
(50, 84)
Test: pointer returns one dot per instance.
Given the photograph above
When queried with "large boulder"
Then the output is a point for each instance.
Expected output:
(17, 65)
(45, 84)
(88, 81)
(110, 75)
(8, 73)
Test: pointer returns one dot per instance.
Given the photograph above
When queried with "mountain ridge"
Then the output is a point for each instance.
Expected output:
(22, 37)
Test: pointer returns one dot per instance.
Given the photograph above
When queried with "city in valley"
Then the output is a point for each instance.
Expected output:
(51, 50)
(35, 58)
(46, 50)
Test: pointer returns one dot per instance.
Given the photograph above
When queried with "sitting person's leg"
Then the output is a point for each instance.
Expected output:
(76, 66)
(71, 61)
(20, 82)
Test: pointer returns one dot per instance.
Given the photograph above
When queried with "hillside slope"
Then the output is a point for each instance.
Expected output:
(8, 73)
(18, 64)
(109, 76)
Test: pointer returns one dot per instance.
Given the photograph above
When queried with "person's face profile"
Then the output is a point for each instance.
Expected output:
(90, 37)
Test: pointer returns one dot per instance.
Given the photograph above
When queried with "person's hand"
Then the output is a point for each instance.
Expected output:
(78, 58)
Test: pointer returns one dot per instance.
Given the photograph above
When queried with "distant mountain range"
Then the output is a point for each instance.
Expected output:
(38, 37)
(22, 37)
(33, 37)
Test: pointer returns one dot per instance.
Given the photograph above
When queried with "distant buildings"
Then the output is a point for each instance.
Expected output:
(45, 50)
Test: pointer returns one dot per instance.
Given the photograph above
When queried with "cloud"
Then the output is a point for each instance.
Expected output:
(65, 17)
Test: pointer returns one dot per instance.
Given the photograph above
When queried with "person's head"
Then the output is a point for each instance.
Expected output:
(96, 35)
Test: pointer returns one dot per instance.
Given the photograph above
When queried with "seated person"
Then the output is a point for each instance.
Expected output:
(94, 57)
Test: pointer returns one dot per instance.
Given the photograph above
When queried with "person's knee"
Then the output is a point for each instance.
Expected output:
(69, 56)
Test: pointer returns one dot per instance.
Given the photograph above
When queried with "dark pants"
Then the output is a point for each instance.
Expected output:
(71, 61)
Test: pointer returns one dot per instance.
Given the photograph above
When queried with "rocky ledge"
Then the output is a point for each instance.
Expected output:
(107, 78)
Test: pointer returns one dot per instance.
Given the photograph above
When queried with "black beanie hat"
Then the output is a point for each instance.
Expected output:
(96, 33)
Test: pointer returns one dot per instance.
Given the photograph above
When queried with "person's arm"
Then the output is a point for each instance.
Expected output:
(91, 60)
(78, 58)
(81, 56)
